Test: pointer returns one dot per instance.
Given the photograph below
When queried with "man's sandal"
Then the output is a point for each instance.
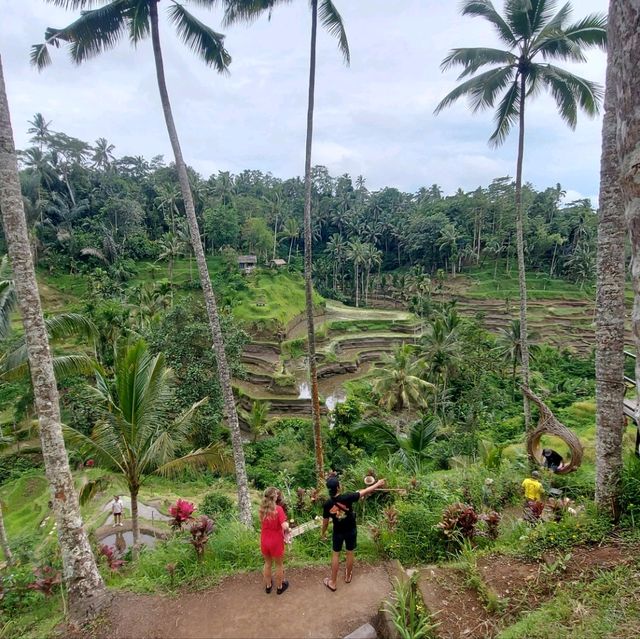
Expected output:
(348, 576)
(327, 583)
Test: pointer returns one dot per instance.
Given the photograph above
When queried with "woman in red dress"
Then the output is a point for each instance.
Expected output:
(274, 525)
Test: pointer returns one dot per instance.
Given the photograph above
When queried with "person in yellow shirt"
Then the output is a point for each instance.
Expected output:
(533, 492)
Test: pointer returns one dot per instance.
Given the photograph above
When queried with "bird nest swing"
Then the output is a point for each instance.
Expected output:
(548, 424)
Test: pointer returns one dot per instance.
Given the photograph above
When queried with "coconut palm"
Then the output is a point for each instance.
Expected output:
(441, 349)
(411, 449)
(400, 381)
(100, 29)
(336, 249)
(102, 154)
(137, 434)
(621, 146)
(356, 252)
(257, 419)
(170, 250)
(326, 11)
(291, 232)
(534, 35)
(39, 129)
(509, 346)
(85, 586)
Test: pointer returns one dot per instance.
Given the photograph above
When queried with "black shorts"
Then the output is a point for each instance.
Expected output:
(347, 538)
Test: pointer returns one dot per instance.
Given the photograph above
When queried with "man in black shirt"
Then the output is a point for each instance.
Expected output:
(552, 459)
(338, 508)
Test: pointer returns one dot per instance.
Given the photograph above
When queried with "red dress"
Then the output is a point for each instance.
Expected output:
(272, 535)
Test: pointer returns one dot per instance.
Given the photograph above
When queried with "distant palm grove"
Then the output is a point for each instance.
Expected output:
(90, 210)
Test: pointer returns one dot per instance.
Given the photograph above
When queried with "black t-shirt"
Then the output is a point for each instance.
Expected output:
(339, 509)
(553, 458)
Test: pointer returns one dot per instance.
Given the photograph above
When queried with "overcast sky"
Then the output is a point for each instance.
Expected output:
(374, 118)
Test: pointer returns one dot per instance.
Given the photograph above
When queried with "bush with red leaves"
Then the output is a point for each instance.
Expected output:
(109, 553)
(459, 520)
(47, 578)
(200, 531)
(181, 512)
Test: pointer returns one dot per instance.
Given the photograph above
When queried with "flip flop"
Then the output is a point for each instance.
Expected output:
(327, 584)
(348, 577)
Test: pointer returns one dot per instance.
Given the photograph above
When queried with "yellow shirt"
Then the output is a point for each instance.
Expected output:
(532, 489)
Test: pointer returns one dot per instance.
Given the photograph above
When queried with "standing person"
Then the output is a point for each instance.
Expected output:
(533, 492)
(116, 508)
(338, 508)
(274, 525)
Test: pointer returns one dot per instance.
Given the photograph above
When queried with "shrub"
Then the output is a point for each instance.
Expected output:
(109, 553)
(630, 495)
(416, 538)
(459, 520)
(216, 505)
(181, 512)
(200, 531)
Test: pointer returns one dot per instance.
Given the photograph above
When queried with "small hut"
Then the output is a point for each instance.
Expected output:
(247, 263)
(277, 263)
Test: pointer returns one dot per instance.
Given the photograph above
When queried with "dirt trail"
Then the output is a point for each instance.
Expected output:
(239, 608)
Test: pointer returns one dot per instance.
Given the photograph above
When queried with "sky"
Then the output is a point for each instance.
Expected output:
(374, 118)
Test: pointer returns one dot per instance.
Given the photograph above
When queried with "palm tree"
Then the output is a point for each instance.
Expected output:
(291, 232)
(400, 382)
(100, 29)
(257, 418)
(170, 250)
(509, 346)
(102, 154)
(356, 253)
(39, 129)
(372, 258)
(4, 540)
(411, 449)
(336, 249)
(332, 21)
(615, 198)
(448, 244)
(441, 349)
(531, 32)
(86, 589)
(137, 434)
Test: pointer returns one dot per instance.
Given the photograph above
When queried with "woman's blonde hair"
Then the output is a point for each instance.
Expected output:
(268, 505)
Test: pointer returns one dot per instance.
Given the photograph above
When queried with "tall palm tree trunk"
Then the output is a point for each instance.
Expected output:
(135, 520)
(308, 264)
(244, 504)
(87, 593)
(357, 282)
(522, 274)
(617, 193)
(4, 540)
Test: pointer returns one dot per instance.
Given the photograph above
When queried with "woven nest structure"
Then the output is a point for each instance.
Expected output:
(549, 425)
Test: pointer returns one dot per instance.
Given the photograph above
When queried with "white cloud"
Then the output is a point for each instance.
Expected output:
(374, 118)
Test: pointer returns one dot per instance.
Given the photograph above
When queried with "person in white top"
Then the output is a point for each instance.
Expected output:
(116, 508)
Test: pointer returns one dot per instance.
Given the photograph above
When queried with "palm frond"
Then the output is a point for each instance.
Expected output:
(8, 303)
(473, 58)
(95, 31)
(566, 86)
(379, 432)
(248, 10)
(519, 14)
(482, 89)
(485, 9)
(541, 13)
(39, 56)
(70, 324)
(139, 25)
(94, 486)
(422, 434)
(332, 21)
(589, 32)
(103, 444)
(201, 39)
(76, 4)
(506, 115)
(214, 457)
(94, 252)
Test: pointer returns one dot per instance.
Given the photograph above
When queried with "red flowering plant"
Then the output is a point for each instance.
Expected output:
(182, 512)
(109, 553)
(200, 531)
(47, 578)
(459, 520)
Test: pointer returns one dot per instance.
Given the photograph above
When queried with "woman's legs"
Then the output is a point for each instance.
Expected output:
(266, 572)
(279, 571)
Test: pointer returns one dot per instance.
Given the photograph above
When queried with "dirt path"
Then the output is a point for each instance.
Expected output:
(239, 608)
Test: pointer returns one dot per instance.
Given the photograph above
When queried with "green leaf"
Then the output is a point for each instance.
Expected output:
(201, 39)
(332, 21)
(485, 9)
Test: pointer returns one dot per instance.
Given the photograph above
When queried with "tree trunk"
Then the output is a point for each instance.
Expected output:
(275, 237)
(618, 193)
(4, 541)
(290, 249)
(87, 593)
(135, 522)
(357, 281)
(244, 504)
(522, 274)
(308, 264)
